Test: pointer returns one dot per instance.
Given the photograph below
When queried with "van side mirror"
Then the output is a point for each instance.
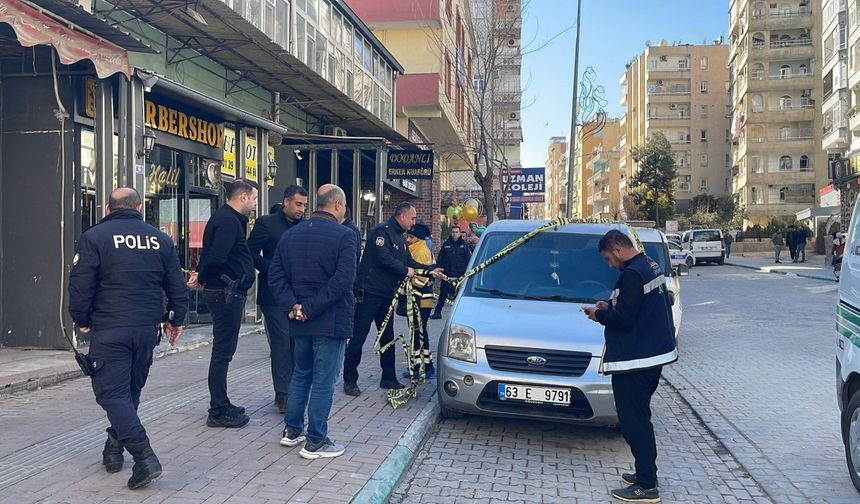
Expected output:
(672, 298)
(682, 270)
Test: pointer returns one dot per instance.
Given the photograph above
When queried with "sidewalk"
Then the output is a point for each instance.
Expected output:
(51, 448)
(22, 370)
(814, 267)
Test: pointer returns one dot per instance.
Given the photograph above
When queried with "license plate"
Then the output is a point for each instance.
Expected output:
(536, 395)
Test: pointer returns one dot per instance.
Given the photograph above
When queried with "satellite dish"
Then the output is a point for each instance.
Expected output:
(647, 43)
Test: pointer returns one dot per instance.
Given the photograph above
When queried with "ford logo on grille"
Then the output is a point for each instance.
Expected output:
(536, 360)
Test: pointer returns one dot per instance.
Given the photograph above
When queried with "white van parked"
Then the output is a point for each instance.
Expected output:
(848, 347)
(705, 244)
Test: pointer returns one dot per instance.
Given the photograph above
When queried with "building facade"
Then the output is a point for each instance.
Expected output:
(679, 90)
(604, 174)
(175, 104)
(555, 200)
(777, 87)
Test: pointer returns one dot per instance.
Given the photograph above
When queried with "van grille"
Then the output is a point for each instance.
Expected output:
(558, 362)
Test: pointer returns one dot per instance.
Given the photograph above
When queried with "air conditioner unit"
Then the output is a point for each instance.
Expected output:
(334, 131)
(514, 116)
(664, 58)
(673, 106)
(660, 82)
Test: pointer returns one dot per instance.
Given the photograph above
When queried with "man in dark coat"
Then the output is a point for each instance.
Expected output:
(791, 241)
(311, 276)
(453, 258)
(265, 236)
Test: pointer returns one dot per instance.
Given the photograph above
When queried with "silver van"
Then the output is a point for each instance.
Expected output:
(516, 343)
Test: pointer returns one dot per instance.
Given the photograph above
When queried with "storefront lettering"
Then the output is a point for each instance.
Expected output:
(160, 178)
(174, 122)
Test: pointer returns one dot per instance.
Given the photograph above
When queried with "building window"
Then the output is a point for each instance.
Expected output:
(447, 75)
(703, 160)
(703, 185)
(703, 86)
(782, 194)
(757, 196)
(784, 71)
(785, 163)
(704, 136)
(758, 72)
(703, 63)
(802, 69)
(703, 111)
(804, 163)
(478, 83)
(785, 102)
(757, 104)
(755, 164)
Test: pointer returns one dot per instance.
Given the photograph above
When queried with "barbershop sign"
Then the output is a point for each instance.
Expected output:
(410, 163)
(187, 126)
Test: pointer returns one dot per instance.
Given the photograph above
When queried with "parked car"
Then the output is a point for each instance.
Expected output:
(680, 255)
(706, 244)
(673, 237)
(848, 348)
(516, 343)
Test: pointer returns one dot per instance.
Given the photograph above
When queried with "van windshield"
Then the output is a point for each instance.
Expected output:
(552, 266)
(706, 236)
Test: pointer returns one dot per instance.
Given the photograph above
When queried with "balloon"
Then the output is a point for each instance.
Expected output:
(470, 213)
(458, 210)
(450, 212)
(472, 202)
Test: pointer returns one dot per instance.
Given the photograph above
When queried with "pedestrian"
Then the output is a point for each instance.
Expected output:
(640, 340)
(265, 235)
(121, 267)
(384, 264)
(423, 289)
(312, 275)
(728, 239)
(777, 245)
(453, 258)
(801, 239)
(791, 242)
(226, 272)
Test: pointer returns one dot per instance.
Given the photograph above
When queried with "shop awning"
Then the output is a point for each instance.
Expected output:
(33, 28)
(231, 40)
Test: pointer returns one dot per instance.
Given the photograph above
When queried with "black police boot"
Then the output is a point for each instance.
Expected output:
(146, 465)
(112, 454)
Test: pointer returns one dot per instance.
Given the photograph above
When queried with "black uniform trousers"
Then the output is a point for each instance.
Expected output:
(633, 391)
(122, 357)
(445, 289)
(226, 320)
(372, 308)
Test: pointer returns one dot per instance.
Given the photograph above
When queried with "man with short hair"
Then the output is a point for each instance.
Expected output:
(777, 245)
(800, 243)
(453, 258)
(312, 275)
(640, 340)
(226, 272)
(265, 235)
(119, 272)
(384, 265)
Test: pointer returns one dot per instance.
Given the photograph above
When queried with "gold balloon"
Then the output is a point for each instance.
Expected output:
(470, 213)
(472, 202)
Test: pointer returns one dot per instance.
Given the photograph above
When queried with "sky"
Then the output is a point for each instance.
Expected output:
(613, 32)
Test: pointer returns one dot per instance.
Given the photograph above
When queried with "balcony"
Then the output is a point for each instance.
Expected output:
(793, 48)
(668, 69)
(781, 81)
(513, 60)
(677, 141)
(508, 97)
(836, 136)
(790, 135)
(854, 122)
(795, 113)
(671, 90)
(782, 20)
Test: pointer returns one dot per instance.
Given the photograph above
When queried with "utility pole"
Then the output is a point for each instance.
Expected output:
(572, 155)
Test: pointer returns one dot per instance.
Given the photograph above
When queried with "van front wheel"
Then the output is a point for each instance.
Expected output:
(851, 438)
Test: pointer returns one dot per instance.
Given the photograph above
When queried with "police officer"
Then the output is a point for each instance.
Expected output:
(115, 294)
(264, 238)
(454, 257)
(226, 272)
(640, 340)
(385, 263)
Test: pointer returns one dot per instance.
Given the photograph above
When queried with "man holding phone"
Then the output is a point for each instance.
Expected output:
(640, 340)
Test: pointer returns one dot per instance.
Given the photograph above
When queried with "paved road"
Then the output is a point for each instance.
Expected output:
(757, 364)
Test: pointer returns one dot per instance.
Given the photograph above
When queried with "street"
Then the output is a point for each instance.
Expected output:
(757, 367)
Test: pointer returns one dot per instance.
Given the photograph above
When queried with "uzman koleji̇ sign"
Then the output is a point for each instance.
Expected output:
(525, 185)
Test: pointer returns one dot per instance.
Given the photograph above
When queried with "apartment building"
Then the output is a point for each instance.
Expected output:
(845, 178)
(776, 79)
(588, 138)
(679, 90)
(555, 202)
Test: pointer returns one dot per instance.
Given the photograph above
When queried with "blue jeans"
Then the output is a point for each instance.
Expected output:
(316, 360)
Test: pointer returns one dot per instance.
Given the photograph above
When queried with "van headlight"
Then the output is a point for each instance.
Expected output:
(461, 343)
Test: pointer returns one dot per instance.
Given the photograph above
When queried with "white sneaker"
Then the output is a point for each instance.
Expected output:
(286, 440)
(326, 449)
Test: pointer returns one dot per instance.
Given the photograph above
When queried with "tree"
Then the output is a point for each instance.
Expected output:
(653, 186)
(716, 212)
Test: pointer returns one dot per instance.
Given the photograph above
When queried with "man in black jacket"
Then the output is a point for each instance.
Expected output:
(453, 258)
(384, 264)
(226, 272)
(121, 267)
(640, 340)
(265, 236)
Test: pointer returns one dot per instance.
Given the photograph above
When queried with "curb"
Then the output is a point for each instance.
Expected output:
(784, 273)
(55, 377)
(386, 478)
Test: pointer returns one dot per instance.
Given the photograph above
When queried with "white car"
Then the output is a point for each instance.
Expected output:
(657, 248)
(679, 255)
(706, 244)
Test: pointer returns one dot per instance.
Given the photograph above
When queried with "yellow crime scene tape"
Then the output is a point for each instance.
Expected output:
(398, 398)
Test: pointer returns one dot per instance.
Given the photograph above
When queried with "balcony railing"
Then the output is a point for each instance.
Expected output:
(670, 90)
(685, 116)
(668, 69)
(780, 76)
(779, 44)
(795, 134)
(782, 15)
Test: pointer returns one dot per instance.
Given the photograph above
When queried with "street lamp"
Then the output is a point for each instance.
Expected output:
(273, 170)
(148, 143)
